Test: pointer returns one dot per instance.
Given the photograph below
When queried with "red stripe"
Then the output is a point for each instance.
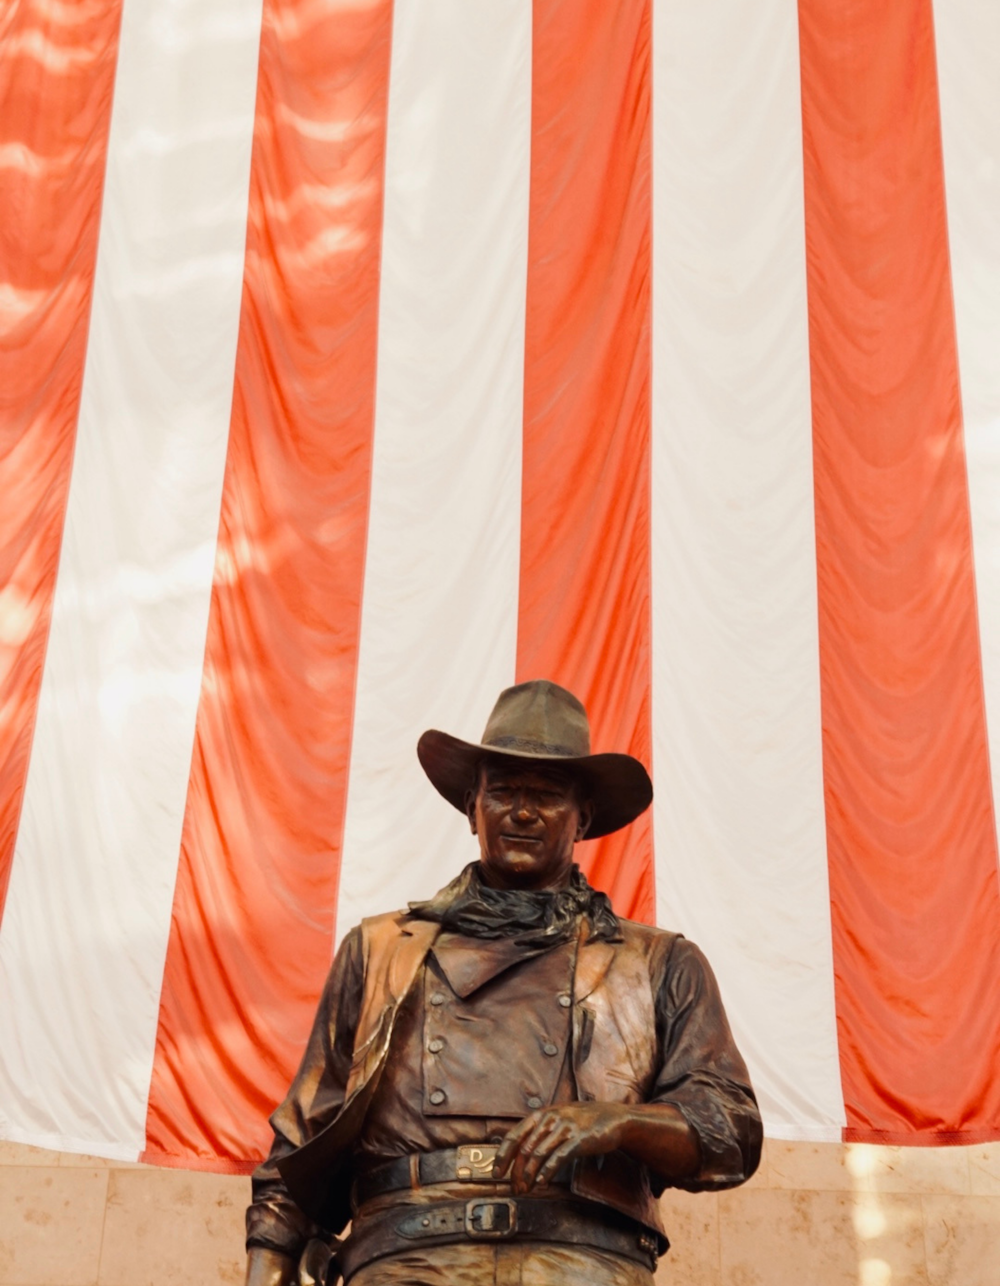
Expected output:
(253, 918)
(912, 848)
(55, 112)
(584, 612)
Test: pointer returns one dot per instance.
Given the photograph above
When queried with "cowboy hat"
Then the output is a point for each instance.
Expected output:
(539, 722)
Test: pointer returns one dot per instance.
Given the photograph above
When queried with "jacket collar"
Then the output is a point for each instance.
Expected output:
(470, 963)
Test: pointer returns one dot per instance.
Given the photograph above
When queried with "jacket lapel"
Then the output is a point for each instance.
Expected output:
(592, 963)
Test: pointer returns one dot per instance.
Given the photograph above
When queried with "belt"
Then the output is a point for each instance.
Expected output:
(471, 1163)
(497, 1219)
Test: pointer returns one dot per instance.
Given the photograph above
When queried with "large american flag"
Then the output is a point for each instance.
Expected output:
(362, 357)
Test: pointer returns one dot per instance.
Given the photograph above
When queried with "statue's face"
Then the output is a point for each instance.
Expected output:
(527, 821)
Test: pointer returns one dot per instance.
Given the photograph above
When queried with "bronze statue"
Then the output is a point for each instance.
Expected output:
(500, 1081)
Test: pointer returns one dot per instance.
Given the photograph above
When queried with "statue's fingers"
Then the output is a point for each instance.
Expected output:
(532, 1142)
(540, 1127)
(511, 1143)
(566, 1151)
(539, 1162)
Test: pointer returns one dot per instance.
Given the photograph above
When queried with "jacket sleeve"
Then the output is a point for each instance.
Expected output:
(315, 1097)
(702, 1072)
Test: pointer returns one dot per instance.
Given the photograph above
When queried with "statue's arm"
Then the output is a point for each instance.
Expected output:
(700, 1128)
(277, 1230)
(702, 1075)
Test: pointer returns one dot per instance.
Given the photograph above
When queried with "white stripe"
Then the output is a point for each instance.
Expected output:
(439, 615)
(85, 930)
(739, 824)
(968, 37)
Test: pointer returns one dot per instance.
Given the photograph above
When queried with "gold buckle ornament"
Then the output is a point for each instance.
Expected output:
(474, 1163)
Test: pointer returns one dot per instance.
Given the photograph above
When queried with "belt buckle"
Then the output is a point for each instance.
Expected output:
(475, 1162)
(481, 1221)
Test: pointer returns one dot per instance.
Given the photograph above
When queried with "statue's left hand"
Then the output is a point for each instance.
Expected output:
(536, 1147)
(655, 1134)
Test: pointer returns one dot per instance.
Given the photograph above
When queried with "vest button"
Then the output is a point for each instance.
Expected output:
(436, 1046)
(438, 1097)
(437, 998)
(565, 1000)
(550, 1049)
(533, 1102)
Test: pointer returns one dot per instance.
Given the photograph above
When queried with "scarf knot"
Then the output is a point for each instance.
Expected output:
(533, 919)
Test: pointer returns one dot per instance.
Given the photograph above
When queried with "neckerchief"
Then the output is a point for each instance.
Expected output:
(536, 920)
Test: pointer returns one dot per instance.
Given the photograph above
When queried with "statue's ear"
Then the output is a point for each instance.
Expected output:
(586, 817)
(470, 808)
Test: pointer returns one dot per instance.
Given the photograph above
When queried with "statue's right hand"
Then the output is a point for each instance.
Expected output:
(270, 1268)
(318, 1265)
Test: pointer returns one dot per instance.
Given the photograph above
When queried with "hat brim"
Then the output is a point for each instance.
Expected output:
(617, 786)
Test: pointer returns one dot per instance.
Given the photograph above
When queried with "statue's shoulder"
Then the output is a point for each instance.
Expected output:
(392, 929)
(646, 937)
(386, 919)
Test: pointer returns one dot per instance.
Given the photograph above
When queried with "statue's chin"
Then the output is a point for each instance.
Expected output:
(527, 868)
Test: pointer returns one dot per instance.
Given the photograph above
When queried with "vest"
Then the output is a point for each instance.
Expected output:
(613, 1023)
(461, 1071)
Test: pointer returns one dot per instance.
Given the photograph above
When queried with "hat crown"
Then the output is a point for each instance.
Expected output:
(536, 723)
(539, 718)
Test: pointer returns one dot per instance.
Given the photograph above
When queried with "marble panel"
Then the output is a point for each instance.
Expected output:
(787, 1238)
(24, 1154)
(692, 1224)
(984, 1170)
(963, 1240)
(889, 1239)
(74, 1159)
(914, 1170)
(50, 1225)
(815, 1167)
(865, 1167)
(173, 1227)
(761, 1178)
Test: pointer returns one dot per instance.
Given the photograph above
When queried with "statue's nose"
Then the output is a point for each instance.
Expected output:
(525, 805)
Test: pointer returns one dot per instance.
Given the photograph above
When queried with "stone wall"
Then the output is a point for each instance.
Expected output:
(815, 1215)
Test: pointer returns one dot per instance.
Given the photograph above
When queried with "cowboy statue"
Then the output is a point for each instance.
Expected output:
(501, 1081)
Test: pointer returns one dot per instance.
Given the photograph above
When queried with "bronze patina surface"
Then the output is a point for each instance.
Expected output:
(502, 1080)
